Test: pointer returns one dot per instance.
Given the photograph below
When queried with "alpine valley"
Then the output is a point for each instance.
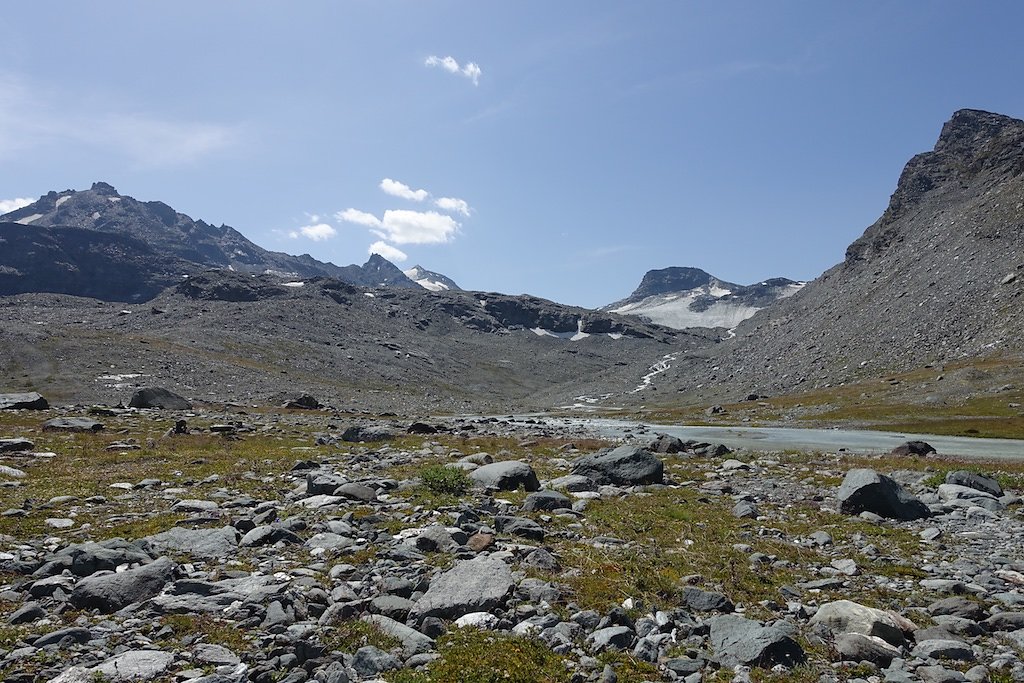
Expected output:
(222, 464)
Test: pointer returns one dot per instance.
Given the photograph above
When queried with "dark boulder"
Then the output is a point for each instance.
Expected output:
(158, 397)
(667, 444)
(622, 466)
(973, 480)
(864, 490)
(29, 401)
(507, 475)
(72, 424)
(303, 402)
(914, 448)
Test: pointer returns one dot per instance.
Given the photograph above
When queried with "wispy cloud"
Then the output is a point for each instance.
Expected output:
(318, 232)
(405, 227)
(453, 204)
(397, 189)
(387, 251)
(471, 70)
(33, 117)
(8, 205)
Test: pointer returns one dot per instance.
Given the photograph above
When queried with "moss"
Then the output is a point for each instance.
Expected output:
(214, 631)
(475, 656)
(349, 636)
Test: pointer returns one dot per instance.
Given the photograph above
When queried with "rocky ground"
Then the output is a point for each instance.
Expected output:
(287, 545)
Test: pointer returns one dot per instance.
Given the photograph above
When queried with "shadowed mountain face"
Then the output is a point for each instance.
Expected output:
(939, 277)
(153, 237)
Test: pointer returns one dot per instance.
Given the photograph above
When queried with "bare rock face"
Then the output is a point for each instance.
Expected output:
(934, 279)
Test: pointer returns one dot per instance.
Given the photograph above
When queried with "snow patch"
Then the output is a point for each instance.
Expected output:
(113, 200)
(61, 200)
(571, 336)
(96, 215)
(28, 219)
(369, 295)
(119, 381)
(293, 284)
(661, 366)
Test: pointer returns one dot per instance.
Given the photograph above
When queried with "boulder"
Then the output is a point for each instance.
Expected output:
(846, 616)
(199, 543)
(523, 527)
(913, 448)
(622, 466)
(973, 480)
(303, 402)
(88, 558)
(368, 434)
(111, 592)
(158, 397)
(546, 500)
(857, 647)
(413, 642)
(476, 585)
(27, 401)
(507, 475)
(866, 490)
(17, 445)
(133, 665)
(666, 444)
(72, 424)
(740, 641)
(706, 601)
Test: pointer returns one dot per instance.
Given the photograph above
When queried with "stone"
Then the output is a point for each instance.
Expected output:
(543, 560)
(76, 634)
(866, 490)
(413, 642)
(320, 483)
(87, 558)
(158, 397)
(199, 543)
(217, 655)
(483, 620)
(706, 601)
(745, 509)
(353, 491)
(667, 444)
(943, 648)
(736, 640)
(1005, 621)
(111, 592)
(435, 538)
(369, 434)
(622, 466)
(519, 526)
(476, 585)
(546, 500)
(573, 483)
(369, 661)
(27, 613)
(611, 638)
(845, 616)
(507, 475)
(973, 480)
(938, 674)
(913, 448)
(302, 402)
(958, 606)
(133, 665)
(72, 424)
(25, 401)
(17, 445)
(857, 647)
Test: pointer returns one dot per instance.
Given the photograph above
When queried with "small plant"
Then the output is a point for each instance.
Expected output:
(445, 480)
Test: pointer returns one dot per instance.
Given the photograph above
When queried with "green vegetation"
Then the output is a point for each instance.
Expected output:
(212, 630)
(473, 656)
(445, 480)
(349, 636)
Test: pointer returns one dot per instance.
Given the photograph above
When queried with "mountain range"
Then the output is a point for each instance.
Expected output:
(934, 283)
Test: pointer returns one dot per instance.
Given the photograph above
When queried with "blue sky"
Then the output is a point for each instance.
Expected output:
(564, 149)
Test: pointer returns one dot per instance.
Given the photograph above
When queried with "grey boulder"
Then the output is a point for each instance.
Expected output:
(973, 480)
(477, 585)
(622, 466)
(507, 475)
(25, 401)
(200, 543)
(864, 490)
(111, 592)
(739, 641)
(72, 424)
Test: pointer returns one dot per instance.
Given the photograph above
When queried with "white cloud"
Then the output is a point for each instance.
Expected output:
(358, 217)
(471, 71)
(453, 204)
(32, 117)
(8, 205)
(387, 251)
(397, 189)
(405, 227)
(318, 232)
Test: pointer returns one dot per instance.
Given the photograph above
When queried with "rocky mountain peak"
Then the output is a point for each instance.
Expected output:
(105, 189)
(675, 279)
